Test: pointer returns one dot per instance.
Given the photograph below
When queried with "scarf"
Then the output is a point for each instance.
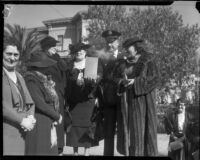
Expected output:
(49, 86)
(21, 98)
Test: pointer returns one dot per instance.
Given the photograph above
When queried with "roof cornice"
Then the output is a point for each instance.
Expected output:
(65, 20)
(57, 21)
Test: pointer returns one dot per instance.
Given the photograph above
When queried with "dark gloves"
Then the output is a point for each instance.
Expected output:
(56, 57)
(89, 82)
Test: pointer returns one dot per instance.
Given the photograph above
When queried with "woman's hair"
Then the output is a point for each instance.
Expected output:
(6, 44)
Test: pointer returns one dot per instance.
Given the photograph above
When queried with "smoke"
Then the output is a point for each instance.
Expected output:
(94, 52)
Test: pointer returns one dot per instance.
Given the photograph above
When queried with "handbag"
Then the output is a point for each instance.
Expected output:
(177, 144)
(53, 136)
(97, 119)
(195, 155)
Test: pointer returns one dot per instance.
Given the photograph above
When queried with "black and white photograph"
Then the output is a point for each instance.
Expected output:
(101, 80)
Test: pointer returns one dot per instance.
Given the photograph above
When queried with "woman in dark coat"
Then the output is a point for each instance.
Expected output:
(18, 107)
(137, 77)
(48, 46)
(80, 104)
(42, 140)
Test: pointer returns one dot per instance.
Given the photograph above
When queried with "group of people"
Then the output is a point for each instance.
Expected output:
(54, 97)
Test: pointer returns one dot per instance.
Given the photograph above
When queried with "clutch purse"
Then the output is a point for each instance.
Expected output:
(196, 155)
(53, 136)
(176, 145)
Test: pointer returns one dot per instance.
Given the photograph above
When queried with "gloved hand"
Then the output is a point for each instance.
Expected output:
(89, 82)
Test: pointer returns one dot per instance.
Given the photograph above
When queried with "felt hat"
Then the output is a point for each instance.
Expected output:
(77, 47)
(48, 42)
(131, 41)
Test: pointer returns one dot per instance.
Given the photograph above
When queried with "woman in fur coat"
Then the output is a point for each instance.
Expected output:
(137, 78)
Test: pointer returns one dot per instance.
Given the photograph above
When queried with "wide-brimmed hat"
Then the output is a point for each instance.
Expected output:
(77, 47)
(111, 35)
(40, 60)
(131, 41)
(48, 42)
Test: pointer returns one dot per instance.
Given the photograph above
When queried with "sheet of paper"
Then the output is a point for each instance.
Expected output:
(91, 65)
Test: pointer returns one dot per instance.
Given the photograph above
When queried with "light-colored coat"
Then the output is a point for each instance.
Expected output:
(13, 135)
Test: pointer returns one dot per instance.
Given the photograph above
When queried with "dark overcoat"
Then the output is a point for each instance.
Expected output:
(58, 72)
(107, 96)
(192, 131)
(13, 135)
(140, 97)
(38, 141)
(171, 126)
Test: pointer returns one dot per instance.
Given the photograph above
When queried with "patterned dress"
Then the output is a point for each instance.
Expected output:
(81, 108)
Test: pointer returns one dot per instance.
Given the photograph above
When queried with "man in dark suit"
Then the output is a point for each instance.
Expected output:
(107, 97)
(174, 124)
(58, 72)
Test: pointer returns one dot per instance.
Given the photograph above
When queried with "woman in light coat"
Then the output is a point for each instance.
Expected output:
(18, 106)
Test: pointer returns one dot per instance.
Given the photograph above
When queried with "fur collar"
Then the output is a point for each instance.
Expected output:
(47, 86)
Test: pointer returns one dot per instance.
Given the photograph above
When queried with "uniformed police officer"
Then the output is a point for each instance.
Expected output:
(108, 101)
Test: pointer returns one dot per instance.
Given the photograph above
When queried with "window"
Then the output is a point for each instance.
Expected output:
(60, 39)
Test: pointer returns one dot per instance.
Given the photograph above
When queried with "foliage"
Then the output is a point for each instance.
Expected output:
(27, 41)
(162, 29)
(104, 17)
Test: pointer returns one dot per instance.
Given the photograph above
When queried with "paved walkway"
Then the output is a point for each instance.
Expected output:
(163, 140)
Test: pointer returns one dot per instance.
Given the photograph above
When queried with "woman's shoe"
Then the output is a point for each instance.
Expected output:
(86, 152)
(76, 154)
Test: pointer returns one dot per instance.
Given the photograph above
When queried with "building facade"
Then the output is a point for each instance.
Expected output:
(66, 31)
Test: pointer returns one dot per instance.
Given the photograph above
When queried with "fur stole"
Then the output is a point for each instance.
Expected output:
(47, 86)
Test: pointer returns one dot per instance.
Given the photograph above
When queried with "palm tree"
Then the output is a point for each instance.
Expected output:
(26, 40)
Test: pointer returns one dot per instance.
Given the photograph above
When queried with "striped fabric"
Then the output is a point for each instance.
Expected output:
(142, 118)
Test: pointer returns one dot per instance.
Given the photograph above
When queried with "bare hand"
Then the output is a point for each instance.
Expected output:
(80, 82)
(60, 119)
(131, 81)
(98, 78)
(52, 51)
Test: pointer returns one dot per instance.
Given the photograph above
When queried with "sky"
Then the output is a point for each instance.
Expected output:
(32, 15)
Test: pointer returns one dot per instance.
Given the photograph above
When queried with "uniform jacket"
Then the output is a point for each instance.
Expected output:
(107, 91)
